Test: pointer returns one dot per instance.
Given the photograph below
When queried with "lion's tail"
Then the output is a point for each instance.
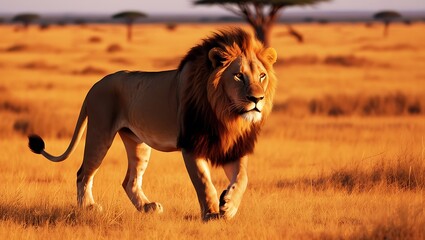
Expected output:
(36, 143)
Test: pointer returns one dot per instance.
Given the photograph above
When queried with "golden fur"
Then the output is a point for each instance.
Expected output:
(211, 108)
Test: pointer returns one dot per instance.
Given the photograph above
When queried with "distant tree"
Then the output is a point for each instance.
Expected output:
(408, 22)
(171, 26)
(80, 21)
(386, 17)
(25, 18)
(44, 26)
(129, 18)
(260, 14)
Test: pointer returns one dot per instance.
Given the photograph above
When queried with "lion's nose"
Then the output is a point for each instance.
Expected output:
(255, 99)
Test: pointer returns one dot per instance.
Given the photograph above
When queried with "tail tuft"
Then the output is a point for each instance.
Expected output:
(36, 144)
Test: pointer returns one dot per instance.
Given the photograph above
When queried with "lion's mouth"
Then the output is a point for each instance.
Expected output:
(255, 109)
(252, 115)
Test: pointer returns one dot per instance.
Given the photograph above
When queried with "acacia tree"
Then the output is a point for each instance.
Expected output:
(386, 17)
(129, 18)
(260, 14)
(26, 19)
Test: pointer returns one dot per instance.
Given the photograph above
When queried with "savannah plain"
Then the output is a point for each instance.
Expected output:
(342, 155)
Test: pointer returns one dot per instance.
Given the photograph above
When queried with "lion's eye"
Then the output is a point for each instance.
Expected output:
(262, 76)
(239, 76)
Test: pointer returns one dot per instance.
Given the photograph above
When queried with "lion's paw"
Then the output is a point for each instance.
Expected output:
(153, 207)
(228, 208)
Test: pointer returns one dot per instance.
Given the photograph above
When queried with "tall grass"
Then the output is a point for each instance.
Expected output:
(403, 173)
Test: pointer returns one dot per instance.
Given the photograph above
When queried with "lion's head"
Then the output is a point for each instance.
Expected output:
(228, 94)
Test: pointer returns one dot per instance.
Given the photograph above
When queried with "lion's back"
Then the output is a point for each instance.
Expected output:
(144, 102)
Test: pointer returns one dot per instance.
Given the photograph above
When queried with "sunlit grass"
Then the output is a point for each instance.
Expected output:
(323, 168)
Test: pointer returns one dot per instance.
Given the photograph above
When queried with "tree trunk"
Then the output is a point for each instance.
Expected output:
(129, 31)
(386, 26)
(26, 24)
(263, 33)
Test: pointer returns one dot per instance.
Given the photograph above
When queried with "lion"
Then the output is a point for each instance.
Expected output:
(211, 108)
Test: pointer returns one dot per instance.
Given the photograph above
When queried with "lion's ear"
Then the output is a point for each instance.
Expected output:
(270, 55)
(216, 56)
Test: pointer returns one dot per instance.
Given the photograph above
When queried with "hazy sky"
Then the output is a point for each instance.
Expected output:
(185, 6)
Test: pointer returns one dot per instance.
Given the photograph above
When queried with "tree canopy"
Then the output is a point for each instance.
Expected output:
(25, 18)
(129, 15)
(283, 3)
(260, 14)
(387, 15)
(246, 8)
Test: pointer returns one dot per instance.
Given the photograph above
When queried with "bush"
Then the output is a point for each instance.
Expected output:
(114, 48)
(90, 70)
(95, 39)
(17, 48)
(393, 104)
(171, 26)
(400, 173)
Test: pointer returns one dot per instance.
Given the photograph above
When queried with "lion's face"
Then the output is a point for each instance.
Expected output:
(242, 88)
(244, 82)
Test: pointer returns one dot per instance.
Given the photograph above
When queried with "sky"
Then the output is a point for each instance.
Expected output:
(186, 6)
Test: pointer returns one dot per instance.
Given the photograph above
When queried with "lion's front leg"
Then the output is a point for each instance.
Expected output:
(199, 173)
(231, 198)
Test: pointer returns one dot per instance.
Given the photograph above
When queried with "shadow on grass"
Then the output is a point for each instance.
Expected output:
(191, 218)
(45, 215)
(42, 215)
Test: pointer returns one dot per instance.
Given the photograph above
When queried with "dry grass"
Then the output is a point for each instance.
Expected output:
(342, 156)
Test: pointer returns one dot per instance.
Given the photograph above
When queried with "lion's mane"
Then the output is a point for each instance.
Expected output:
(208, 128)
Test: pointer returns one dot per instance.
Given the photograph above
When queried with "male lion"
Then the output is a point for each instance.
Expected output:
(211, 108)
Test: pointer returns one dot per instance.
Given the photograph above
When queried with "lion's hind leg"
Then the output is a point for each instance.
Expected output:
(97, 145)
(138, 158)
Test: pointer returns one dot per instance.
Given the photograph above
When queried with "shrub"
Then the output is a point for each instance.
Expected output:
(401, 173)
(95, 39)
(90, 70)
(17, 48)
(171, 26)
(114, 48)
(392, 104)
